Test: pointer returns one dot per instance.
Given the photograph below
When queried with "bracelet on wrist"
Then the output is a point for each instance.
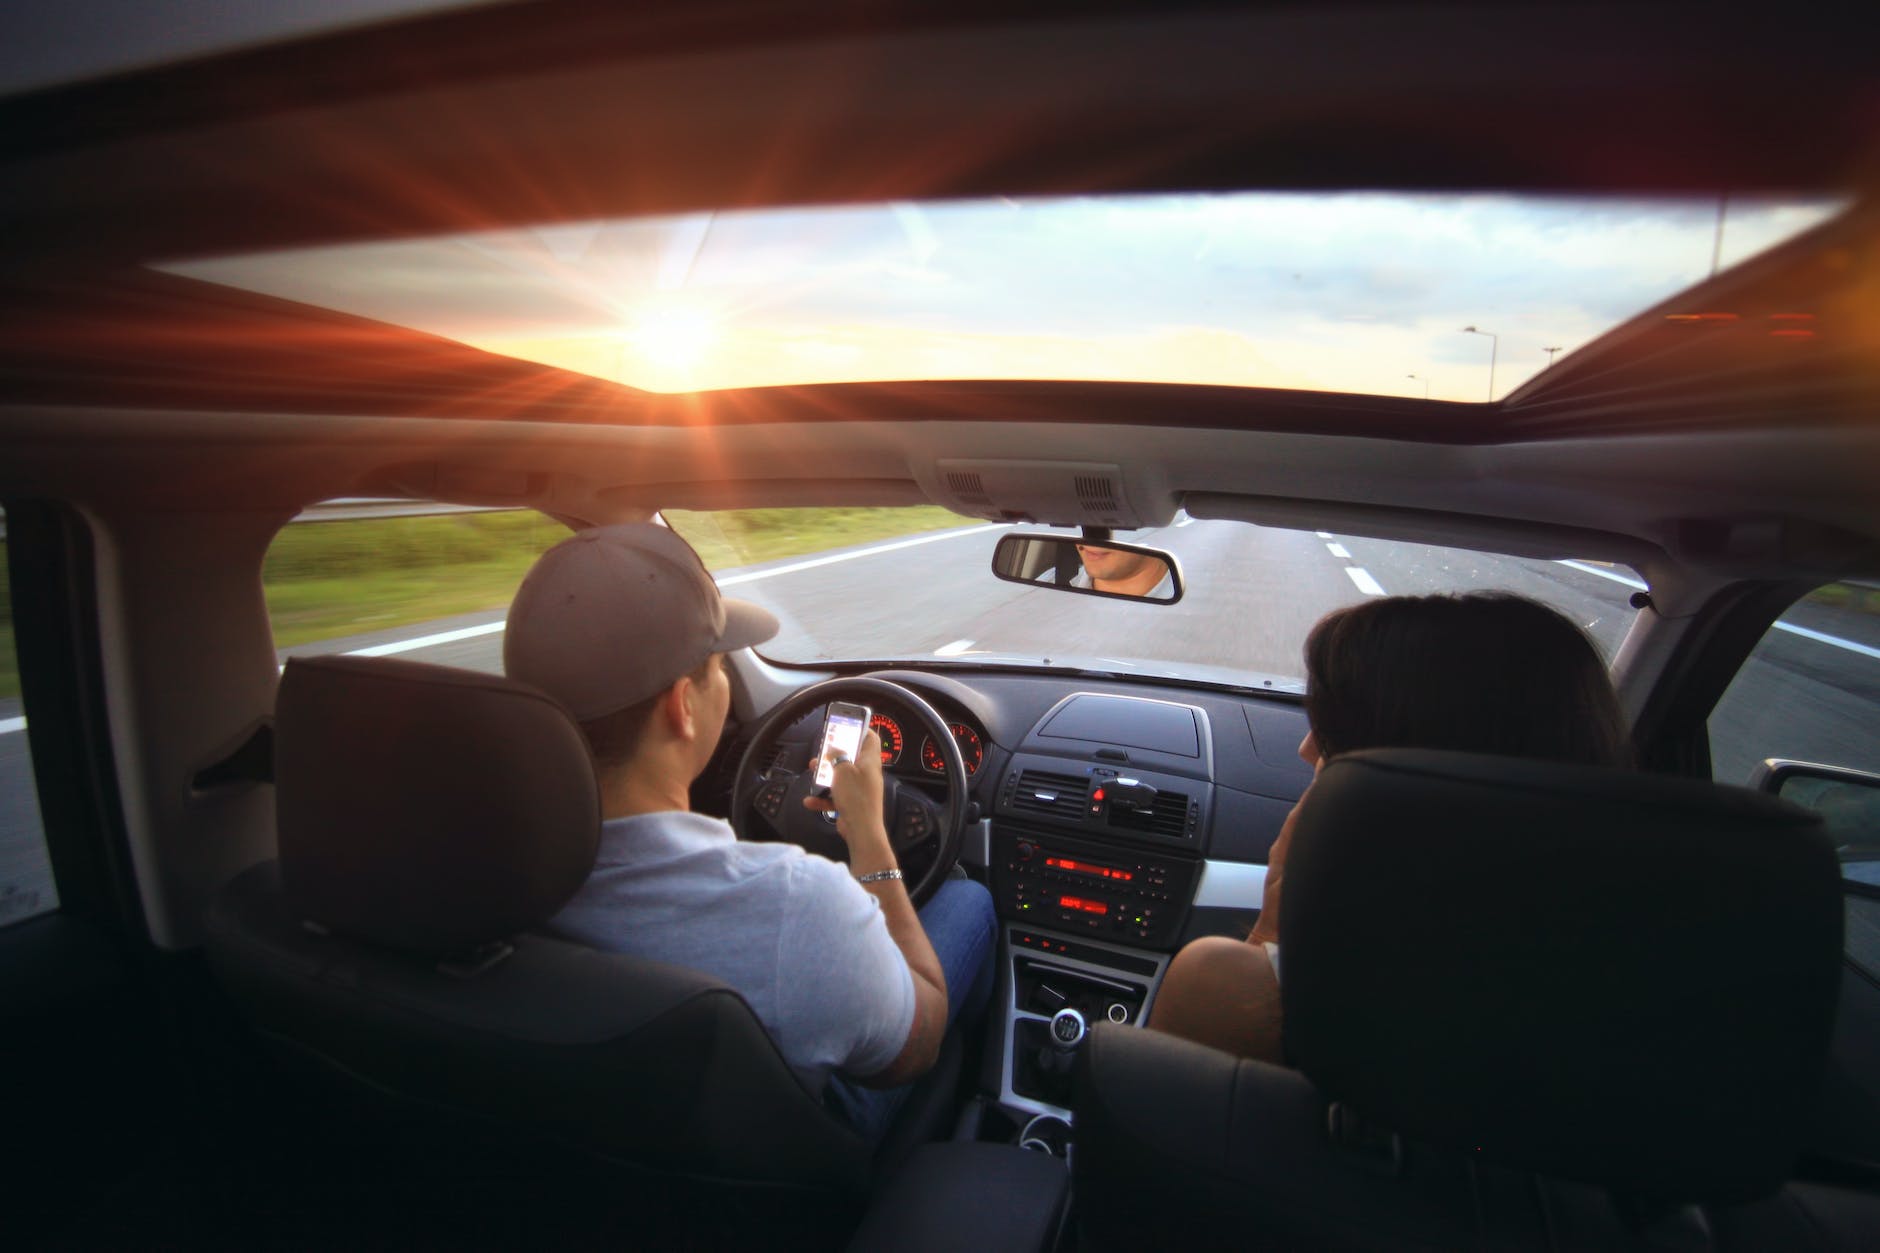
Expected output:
(877, 876)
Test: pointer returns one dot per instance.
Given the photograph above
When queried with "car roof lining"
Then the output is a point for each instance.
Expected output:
(831, 100)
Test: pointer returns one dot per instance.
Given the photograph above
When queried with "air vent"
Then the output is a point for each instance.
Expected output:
(1097, 493)
(1043, 792)
(1170, 817)
(968, 489)
(1171, 814)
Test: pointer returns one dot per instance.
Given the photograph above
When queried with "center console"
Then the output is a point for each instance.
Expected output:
(1095, 850)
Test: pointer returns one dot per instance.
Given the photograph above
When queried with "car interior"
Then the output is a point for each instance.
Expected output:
(278, 973)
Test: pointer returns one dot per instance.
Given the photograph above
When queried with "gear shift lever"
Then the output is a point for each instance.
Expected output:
(1066, 1032)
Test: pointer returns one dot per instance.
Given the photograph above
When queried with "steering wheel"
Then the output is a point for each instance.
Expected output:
(774, 796)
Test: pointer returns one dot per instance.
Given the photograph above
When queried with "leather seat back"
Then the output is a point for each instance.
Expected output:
(1616, 977)
(1530, 1004)
(428, 818)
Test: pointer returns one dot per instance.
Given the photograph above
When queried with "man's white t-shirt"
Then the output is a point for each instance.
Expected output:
(800, 940)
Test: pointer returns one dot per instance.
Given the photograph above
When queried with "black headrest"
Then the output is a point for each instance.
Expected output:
(1614, 977)
(428, 808)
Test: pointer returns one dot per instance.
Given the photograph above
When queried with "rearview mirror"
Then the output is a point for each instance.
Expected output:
(1119, 571)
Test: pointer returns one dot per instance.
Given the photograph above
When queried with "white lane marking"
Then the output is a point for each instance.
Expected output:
(9, 725)
(1820, 638)
(860, 552)
(1363, 579)
(1184, 522)
(427, 641)
(1230, 885)
(1614, 575)
(1338, 550)
(954, 649)
(1323, 534)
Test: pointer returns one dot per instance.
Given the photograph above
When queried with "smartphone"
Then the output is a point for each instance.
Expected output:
(843, 728)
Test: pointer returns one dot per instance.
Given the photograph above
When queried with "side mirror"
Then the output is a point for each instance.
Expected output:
(1119, 571)
(1847, 800)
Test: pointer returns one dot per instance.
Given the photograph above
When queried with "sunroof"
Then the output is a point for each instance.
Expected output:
(1453, 297)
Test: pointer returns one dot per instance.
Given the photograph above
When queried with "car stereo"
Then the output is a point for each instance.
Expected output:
(1128, 896)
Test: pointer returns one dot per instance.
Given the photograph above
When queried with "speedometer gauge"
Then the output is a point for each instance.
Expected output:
(891, 741)
(971, 750)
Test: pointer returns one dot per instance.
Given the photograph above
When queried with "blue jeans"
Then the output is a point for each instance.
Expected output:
(961, 926)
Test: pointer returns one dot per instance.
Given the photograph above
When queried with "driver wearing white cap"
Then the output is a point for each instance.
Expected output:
(625, 627)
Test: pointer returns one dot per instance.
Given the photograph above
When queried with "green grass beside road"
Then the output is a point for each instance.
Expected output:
(748, 537)
(1846, 596)
(327, 579)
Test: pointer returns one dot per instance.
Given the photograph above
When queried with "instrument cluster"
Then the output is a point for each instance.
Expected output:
(897, 733)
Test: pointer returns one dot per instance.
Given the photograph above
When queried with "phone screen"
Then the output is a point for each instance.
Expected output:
(842, 737)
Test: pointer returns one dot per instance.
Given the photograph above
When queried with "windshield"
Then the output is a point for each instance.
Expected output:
(1449, 297)
(916, 584)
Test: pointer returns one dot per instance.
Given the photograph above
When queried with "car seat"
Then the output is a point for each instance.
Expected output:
(1530, 1005)
(428, 819)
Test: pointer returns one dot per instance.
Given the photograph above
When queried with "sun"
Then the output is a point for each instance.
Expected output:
(673, 338)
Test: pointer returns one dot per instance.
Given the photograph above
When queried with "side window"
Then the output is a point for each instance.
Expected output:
(427, 581)
(26, 887)
(1811, 692)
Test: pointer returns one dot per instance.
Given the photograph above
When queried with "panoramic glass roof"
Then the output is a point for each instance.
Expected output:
(1456, 297)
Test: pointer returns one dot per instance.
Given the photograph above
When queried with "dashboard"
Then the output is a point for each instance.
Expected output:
(1232, 754)
(1116, 821)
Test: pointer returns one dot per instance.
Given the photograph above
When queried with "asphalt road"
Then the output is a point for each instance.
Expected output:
(1252, 595)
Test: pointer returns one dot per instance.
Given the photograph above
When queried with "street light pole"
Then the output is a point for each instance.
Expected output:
(1494, 350)
(1426, 384)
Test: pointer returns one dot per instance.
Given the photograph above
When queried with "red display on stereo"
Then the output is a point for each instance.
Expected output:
(1089, 868)
(1078, 902)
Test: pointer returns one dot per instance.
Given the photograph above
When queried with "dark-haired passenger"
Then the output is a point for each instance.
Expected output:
(1485, 672)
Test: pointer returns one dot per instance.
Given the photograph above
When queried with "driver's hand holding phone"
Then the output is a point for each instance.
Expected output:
(848, 774)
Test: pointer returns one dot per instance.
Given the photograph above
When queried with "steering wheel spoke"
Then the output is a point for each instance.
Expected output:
(773, 797)
(912, 818)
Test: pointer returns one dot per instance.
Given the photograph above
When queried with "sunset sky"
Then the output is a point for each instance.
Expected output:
(1351, 292)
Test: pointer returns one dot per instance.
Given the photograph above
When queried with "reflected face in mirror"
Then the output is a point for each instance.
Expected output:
(1092, 568)
(1127, 573)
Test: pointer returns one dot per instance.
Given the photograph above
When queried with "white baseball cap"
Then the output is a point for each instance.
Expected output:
(614, 615)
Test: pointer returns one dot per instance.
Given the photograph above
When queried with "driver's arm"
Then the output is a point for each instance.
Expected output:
(856, 794)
